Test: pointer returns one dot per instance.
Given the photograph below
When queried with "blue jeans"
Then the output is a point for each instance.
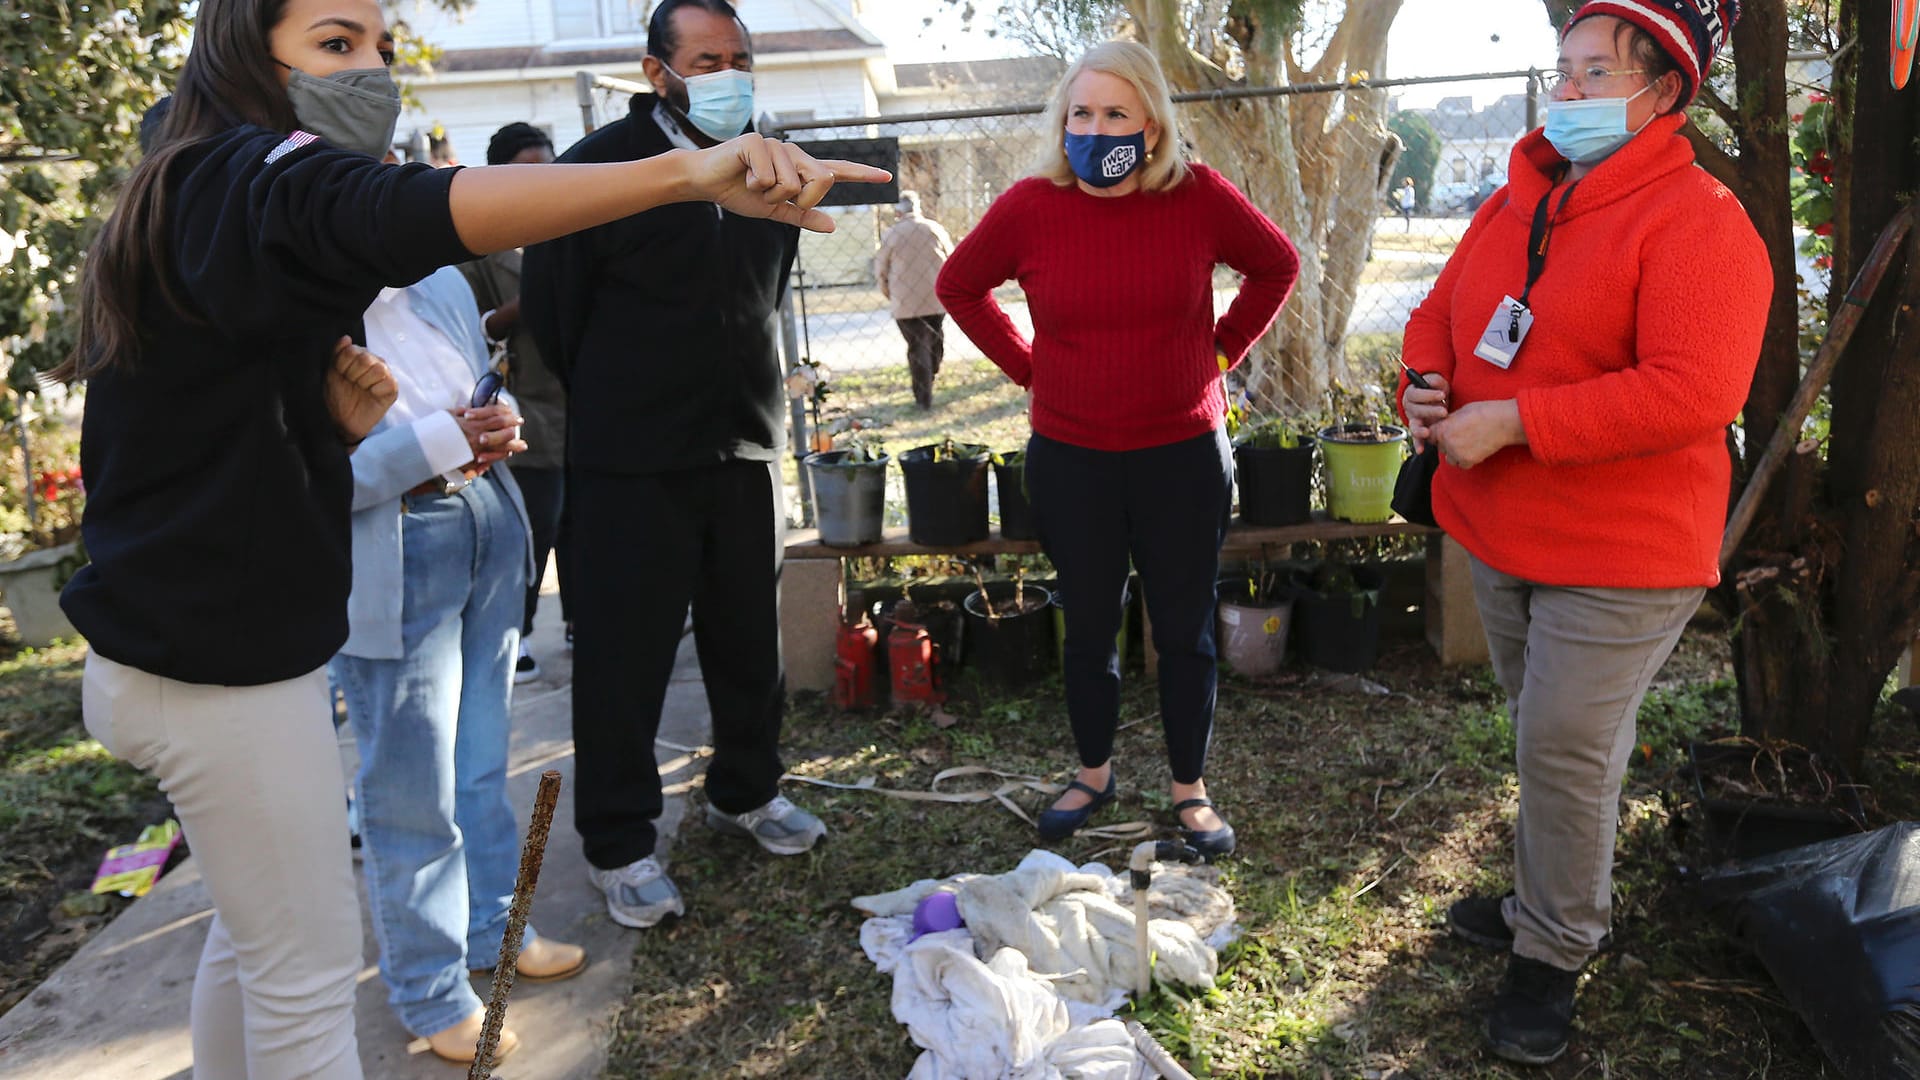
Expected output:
(438, 830)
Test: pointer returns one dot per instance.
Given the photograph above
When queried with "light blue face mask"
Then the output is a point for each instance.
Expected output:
(719, 103)
(1588, 130)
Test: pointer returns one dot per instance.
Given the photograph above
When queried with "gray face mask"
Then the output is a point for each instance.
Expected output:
(354, 110)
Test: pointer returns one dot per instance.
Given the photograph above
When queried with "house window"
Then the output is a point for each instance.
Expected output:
(596, 18)
(1459, 170)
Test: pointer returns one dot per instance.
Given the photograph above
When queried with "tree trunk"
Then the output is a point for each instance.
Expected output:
(1313, 169)
(1818, 633)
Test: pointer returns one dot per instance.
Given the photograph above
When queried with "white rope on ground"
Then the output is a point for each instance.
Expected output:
(1013, 782)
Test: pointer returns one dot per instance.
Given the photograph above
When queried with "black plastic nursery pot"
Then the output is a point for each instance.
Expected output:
(1275, 484)
(1009, 648)
(946, 498)
(1741, 828)
(849, 498)
(1010, 484)
(1340, 631)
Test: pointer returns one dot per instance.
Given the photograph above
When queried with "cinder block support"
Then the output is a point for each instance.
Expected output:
(809, 619)
(1909, 670)
(1453, 620)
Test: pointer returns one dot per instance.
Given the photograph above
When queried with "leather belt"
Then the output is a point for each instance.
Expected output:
(438, 486)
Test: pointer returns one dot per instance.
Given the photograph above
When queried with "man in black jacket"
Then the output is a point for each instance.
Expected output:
(662, 328)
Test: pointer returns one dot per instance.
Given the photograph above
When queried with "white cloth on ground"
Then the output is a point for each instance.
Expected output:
(1059, 942)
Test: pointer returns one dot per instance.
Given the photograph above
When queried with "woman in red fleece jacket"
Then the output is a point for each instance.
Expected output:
(1115, 240)
(1584, 464)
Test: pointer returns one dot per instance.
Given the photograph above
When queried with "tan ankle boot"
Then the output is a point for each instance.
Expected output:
(546, 960)
(457, 1043)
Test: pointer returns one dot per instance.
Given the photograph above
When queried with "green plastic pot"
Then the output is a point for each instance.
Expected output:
(1363, 460)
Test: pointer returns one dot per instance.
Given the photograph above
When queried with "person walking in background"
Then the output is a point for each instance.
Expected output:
(440, 560)
(1587, 345)
(224, 398)
(541, 468)
(1115, 242)
(1407, 198)
(663, 328)
(906, 267)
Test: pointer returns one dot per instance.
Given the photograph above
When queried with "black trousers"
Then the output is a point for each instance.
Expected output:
(926, 347)
(544, 491)
(1165, 508)
(645, 547)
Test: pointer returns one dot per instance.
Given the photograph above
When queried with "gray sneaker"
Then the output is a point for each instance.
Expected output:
(779, 826)
(639, 894)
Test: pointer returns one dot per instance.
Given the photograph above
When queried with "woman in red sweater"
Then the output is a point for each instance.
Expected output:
(1580, 398)
(1114, 240)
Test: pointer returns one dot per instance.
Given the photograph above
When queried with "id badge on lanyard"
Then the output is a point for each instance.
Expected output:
(1507, 329)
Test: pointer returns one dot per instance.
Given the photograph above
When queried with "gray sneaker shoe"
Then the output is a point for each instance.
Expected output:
(779, 826)
(639, 894)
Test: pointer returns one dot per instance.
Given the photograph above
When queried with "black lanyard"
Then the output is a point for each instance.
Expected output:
(1538, 239)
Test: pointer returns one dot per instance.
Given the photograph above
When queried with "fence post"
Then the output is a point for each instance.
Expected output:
(1533, 98)
(796, 407)
(583, 90)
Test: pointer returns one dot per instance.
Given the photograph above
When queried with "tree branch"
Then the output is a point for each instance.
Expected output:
(1719, 164)
(1712, 100)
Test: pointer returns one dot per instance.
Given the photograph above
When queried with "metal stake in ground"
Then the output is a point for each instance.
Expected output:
(531, 855)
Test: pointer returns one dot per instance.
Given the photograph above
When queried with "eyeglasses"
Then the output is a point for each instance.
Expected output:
(1587, 80)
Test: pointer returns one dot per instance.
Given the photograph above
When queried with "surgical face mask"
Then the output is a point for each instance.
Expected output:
(354, 110)
(1105, 160)
(1586, 131)
(719, 103)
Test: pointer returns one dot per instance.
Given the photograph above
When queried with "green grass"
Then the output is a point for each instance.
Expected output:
(63, 801)
(1360, 819)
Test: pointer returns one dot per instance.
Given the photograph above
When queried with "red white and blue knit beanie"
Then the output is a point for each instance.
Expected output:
(1690, 31)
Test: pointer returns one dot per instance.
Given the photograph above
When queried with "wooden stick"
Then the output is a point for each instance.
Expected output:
(1839, 331)
(532, 853)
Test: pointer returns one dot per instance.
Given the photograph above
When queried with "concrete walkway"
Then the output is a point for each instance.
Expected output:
(118, 1009)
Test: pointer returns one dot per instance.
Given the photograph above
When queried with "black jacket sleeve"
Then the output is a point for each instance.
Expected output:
(270, 234)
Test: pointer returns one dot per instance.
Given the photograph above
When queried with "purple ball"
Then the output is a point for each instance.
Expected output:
(938, 912)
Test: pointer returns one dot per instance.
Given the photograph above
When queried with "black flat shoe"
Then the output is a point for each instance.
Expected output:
(1060, 824)
(1208, 842)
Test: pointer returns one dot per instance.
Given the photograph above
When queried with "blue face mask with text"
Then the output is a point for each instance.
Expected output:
(1587, 131)
(1105, 160)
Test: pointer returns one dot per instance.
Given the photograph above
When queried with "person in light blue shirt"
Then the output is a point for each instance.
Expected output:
(441, 557)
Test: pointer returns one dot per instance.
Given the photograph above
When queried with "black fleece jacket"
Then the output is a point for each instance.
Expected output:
(218, 487)
(662, 325)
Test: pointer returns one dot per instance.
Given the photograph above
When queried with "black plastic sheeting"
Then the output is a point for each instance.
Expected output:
(1837, 924)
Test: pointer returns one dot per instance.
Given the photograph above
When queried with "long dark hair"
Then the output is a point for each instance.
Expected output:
(229, 79)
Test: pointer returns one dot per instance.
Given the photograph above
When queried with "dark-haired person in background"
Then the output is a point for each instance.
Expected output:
(215, 312)
(662, 327)
(541, 468)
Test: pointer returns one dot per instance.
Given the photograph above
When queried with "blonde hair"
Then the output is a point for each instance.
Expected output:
(1165, 166)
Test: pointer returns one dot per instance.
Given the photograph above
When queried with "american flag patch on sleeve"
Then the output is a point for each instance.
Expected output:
(291, 143)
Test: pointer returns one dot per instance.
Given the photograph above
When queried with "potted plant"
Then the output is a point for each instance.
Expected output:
(849, 491)
(1761, 797)
(1362, 452)
(1251, 623)
(42, 497)
(1008, 631)
(1338, 605)
(946, 493)
(1273, 470)
(1010, 486)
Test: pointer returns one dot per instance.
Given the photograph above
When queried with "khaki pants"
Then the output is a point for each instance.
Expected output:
(254, 775)
(1575, 664)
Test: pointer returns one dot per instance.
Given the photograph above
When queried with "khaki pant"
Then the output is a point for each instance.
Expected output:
(1575, 664)
(254, 775)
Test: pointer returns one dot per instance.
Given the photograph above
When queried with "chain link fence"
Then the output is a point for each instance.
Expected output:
(1327, 162)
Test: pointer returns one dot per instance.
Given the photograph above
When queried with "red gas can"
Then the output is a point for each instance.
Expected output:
(854, 685)
(915, 662)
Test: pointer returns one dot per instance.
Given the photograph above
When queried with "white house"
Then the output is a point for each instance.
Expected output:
(505, 61)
